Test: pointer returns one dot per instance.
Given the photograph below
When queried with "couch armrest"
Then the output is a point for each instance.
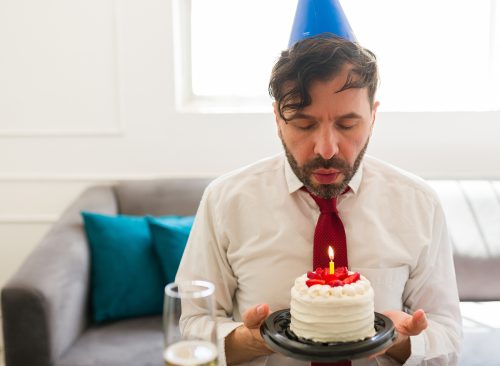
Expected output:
(45, 303)
(477, 277)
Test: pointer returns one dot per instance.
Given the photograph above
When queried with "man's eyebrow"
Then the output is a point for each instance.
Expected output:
(301, 115)
(351, 115)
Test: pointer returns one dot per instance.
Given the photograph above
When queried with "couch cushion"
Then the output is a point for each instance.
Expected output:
(126, 276)
(131, 342)
(169, 235)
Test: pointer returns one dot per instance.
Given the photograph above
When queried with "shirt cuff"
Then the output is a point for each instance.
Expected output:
(417, 354)
(223, 330)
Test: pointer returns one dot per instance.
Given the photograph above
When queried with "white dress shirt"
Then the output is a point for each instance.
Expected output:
(253, 235)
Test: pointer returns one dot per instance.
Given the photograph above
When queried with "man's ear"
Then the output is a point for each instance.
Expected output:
(277, 118)
(275, 111)
(374, 112)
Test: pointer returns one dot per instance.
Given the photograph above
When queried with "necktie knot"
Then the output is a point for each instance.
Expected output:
(326, 205)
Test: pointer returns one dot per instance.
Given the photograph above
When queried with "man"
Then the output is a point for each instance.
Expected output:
(254, 229)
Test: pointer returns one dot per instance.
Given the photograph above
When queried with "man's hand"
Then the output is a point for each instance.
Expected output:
(245, 342)
(406, 325)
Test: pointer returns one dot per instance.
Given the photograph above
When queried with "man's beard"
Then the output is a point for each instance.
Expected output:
(325, 191)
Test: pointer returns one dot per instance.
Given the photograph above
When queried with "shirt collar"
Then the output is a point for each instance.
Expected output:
(294, 184)
(356, 179)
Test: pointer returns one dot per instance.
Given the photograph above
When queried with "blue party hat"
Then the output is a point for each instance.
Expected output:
(314, 17)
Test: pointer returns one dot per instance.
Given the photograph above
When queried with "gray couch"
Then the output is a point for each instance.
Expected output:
(45, 304)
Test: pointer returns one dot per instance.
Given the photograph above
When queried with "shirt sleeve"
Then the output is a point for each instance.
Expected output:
(432, 287)
(205, 259)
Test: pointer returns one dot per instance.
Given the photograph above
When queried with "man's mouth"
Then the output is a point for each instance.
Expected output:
(326, 176)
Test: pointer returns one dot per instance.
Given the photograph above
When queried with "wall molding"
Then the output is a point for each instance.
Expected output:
(28, 219)
(94, 177)
(116, 131)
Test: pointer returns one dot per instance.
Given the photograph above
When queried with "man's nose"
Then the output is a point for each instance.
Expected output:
(326, 144)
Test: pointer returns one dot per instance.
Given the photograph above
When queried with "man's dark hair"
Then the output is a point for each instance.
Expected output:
(320, 58)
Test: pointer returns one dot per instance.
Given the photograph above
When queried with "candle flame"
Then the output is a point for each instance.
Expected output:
(331, 253)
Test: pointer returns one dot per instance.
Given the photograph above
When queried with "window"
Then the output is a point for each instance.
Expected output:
(433, 55)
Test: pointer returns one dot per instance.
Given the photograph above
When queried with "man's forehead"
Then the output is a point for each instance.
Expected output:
(348, 106)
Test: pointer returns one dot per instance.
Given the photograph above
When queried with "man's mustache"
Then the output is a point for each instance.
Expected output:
(333, 162)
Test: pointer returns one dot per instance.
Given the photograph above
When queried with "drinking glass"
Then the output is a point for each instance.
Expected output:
(189, 324)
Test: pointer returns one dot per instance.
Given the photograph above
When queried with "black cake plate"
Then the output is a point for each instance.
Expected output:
(277, 334)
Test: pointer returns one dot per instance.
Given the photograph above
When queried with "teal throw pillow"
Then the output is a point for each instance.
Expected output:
(126, 277)
(170, 235)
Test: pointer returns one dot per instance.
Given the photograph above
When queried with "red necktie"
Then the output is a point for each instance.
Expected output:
(329, 232)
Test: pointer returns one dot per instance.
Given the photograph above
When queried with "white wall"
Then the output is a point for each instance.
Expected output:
(87, 96)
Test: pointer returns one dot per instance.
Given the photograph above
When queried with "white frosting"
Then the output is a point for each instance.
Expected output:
(332, 314)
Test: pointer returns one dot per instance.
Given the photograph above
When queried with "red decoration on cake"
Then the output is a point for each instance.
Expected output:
(322, 276)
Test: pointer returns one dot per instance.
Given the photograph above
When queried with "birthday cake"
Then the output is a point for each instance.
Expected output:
(334, 307)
